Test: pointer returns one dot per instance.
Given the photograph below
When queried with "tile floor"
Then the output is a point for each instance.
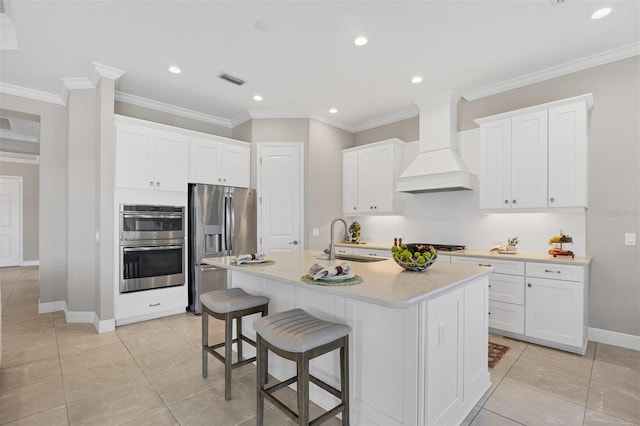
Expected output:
(149, 373)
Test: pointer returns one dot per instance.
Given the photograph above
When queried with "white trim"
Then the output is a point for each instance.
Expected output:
(8, 134)
(77, 83)
(30, 263)
(613, 55)
(103, 326)
(171, 109)
(81, 317)
(105, 71)
(37, 95)
(614, 338)
(240, 118)
(387, 119)
(47, 307)
(35, 159)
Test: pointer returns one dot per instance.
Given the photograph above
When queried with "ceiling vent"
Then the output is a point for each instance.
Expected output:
(231, 79)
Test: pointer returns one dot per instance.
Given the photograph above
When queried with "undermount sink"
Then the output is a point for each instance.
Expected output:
(360, 258)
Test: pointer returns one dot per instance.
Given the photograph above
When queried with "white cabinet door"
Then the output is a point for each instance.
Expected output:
(349, 183)
(568, 156)
(135, 163)
(205, 157)
(444, 366)
(367, 162)
(495, 183)
(383, 183)
(506, 317)
(171, 150)
(529, 160)
(555, 311)
(235, 165)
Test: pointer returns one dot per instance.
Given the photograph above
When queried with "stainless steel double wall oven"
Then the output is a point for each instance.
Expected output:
(151, 247)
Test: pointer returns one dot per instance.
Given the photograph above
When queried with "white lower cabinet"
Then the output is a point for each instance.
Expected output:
(150, 304)
(425, 364)
(544, 303)
(372, 252)
(556, 309)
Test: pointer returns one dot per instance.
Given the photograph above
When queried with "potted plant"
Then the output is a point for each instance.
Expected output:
(512, 244)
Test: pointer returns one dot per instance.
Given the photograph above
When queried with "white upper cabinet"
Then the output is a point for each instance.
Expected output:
(536, 157)
(150, 159)
(568, 155)
(159, 157)
(368, 178)
(219, 161)
(349, 183)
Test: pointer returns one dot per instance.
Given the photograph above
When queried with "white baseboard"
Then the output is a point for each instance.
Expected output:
(30, 263)
(103, 326)
(47, 307)
(79, 317)
(614, 338)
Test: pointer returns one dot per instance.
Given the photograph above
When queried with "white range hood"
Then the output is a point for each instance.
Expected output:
(438, 166)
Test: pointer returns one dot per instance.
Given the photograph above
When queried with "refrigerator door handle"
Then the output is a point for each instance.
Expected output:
(232, 228)
(227, 224)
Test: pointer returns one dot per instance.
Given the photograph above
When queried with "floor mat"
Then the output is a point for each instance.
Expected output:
(496, 352)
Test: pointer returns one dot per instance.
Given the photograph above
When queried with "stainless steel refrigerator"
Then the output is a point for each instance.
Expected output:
(222, 222)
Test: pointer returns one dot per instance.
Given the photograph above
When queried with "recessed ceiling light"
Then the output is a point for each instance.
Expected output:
(257, 98)
(417, 79)
(601, 13)
(360, 41)
(174, 69)
(333, 111)
(263, 25)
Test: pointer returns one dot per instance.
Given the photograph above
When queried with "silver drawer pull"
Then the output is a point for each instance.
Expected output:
(550, 270)
(484, 264)
(155, 304)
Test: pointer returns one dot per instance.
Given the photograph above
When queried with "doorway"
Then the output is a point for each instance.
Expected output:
(280, 187)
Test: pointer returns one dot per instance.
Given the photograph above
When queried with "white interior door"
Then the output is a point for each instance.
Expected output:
(281, 196)
(10, 213)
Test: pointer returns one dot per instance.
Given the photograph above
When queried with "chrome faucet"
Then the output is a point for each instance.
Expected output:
(332, 247)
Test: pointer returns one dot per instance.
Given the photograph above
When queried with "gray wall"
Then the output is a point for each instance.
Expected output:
(142, 113)
(614, 180)
(406, 130)
(53, 193)
(30, 174)
(324, 181)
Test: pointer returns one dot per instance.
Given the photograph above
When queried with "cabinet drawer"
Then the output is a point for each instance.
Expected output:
(555, 271)
(344, 250)
(506, 317)
(506, 288)
(372, 252)
(150, 306)
(513, 267)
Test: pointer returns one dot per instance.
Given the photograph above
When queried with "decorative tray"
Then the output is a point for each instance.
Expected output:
(348, 279)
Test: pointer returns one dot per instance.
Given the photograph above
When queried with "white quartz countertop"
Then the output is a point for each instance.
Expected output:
(530, 257)
(384, 283)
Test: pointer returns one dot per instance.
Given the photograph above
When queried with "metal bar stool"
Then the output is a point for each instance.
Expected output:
(297, 336)
(227, 305)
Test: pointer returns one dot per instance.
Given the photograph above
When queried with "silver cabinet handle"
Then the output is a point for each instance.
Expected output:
(294, 242)
(154, 304)
(552, 271)
(529, 285)
(157, 183)
(552, 199)
(513, 201)
(484, 264)
(151, 183)
(506, 201)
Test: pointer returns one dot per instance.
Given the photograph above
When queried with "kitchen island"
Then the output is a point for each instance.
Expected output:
(418, 346)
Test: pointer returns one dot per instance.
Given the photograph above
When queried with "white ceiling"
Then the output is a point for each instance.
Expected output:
(306, 62)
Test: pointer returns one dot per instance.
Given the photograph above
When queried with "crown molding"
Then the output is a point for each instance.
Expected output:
(555, 71)
(37, 95)
(240, 118)
(171, 109)
(11, 157)
(105, 71)
(387, 119)
(77, 83)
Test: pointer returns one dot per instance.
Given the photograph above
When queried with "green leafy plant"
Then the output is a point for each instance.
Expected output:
(513, 241)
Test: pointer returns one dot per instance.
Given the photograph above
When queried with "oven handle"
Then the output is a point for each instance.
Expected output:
(153, 216)
(127, 249)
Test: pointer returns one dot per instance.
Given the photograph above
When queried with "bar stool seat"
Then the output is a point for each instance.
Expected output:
(298, 336)
(226, 305)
